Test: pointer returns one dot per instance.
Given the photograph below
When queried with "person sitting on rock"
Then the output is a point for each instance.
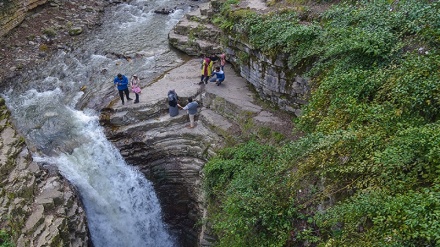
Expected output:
(219, 76)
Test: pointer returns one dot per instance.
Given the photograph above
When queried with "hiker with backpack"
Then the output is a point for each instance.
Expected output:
(172, 102)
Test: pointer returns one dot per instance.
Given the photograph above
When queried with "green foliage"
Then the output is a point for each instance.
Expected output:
(232, 1)
(5, 239)
(377, 218)
(278, 33)
(50, 32)
(248, 184)
(371, 158)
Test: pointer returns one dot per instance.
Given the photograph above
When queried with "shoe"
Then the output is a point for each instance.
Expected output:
(122, 102)
(129, 99)
(189, 127)
(206, 82)
(136, 102)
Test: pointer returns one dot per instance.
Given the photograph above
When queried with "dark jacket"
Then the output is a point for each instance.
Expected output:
(122, 83)
(172, 98)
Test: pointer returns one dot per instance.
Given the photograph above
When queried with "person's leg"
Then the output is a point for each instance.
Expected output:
(127, 93)
(212, 79)
(191, 121)
(206, 79)
(219, 82)
(137, 98)
(201, 79)
(121, 94)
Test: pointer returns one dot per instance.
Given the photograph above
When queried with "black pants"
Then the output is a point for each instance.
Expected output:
(137, 98)
(204, 78)
(121, 94)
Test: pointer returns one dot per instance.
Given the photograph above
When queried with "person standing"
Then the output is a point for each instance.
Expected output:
(172, 102)
(191, 107)
(121, 82)
(135, 87)
(222, 61)
(219, 76)
(206, 70)
(214, 58)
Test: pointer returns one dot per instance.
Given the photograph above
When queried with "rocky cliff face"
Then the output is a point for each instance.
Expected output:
(272, 78)
(38, 207)
(13, 12)
(171, 155)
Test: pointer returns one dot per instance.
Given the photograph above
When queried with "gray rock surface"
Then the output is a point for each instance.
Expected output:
(271, 77)
(172, 155)
(38, 207)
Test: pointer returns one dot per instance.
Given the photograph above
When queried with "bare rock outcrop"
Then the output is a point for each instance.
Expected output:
(37, 207)
(271, 76)
(173, 156)
(195, 35)
(12, 13)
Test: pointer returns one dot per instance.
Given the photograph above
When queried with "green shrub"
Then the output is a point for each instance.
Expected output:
(50, 32)
(5, 239)
(370, 159)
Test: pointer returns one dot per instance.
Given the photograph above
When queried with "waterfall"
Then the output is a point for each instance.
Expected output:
(121, 206)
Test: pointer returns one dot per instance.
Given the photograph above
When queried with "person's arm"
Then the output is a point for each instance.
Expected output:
(125, 81)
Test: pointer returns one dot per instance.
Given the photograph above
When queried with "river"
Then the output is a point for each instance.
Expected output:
(61, 122)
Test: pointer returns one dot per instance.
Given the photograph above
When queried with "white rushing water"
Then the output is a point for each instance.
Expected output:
(121, 206)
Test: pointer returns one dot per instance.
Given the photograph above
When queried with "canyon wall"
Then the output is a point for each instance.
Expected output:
(37, 206)
(13, 12)
(272, 78)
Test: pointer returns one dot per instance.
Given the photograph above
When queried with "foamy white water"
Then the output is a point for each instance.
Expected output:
(121, 205)
(122, 208)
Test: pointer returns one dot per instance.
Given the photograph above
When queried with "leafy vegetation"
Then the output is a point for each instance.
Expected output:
(368, 171)
(5, 239)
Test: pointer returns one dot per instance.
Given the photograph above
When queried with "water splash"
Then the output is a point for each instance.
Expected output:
(122, 208)
(121, 205)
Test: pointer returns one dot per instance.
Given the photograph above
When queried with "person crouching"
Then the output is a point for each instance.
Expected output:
(219, 76)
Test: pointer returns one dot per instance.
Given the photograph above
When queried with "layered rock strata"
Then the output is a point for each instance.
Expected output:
(271, 77)
(12, 13)
(38, 207)
(195, 35)
(171, 155)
